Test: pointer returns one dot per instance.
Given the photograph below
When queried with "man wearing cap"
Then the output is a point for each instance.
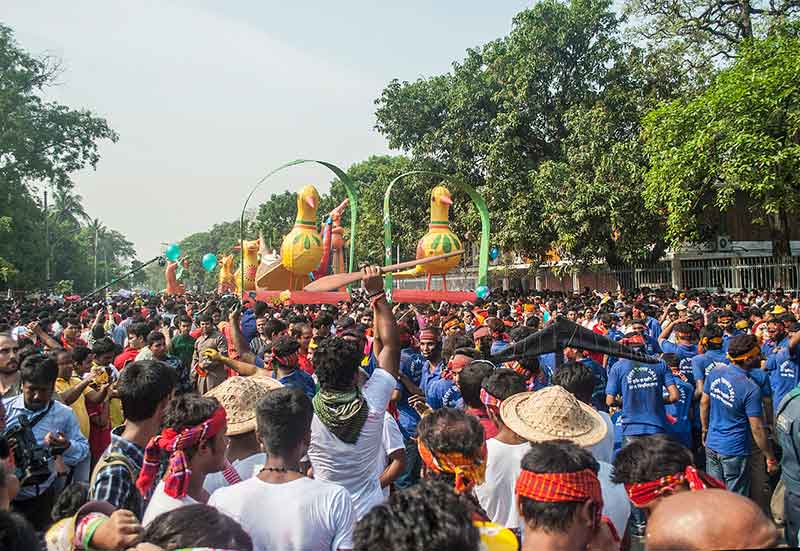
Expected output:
(554, 414)
(730, 409)
(239, 396)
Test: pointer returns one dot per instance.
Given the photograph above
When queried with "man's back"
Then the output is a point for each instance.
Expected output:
(301, 515)
(114, 477)
(496, 495)
(733, 398)
(642, 402)
(352, 465)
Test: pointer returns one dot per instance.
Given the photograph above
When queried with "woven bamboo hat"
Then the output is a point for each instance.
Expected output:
(239, 395)
(552, 413)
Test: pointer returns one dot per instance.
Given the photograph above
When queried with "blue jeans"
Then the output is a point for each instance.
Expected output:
(733, 470)
(413, 466)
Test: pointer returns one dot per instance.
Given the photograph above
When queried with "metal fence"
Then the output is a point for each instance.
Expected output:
(656, 274)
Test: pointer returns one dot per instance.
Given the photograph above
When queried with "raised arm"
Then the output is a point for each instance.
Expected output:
(385, 324)
(245, 354)
(242, 368)
(48, 341)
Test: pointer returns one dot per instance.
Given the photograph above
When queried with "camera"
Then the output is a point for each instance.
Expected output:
(31, 459)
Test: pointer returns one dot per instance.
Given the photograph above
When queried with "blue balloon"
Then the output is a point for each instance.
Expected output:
(494, 252)
(482, 291)
(173, 252)
(209, 262)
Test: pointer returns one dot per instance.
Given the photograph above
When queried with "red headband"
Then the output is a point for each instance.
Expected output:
(578, 486)
(490, 401)
(428, 335)
(643, 493)
(176, 479)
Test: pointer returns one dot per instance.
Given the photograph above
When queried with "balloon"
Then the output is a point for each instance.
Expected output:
(482, 291)
(209, 262)
(173, 252)
(494, 252)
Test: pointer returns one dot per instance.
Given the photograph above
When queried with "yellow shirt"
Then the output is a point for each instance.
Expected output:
(79, 405)
(114, 404)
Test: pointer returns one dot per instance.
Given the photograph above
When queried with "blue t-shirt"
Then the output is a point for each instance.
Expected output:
(783, 368)
(685, 353)
(600, 380)
(682, 427)
(411, 365)
(499, 346)
(617, 420)
(444, 394)
(734, 398)
(302, 380)
(614, 335)
(769, 347)
(428, 378)
(548, 360)
(248, 325)
(761, 379)
(653, 327)
(542, 380)
(640, 385)
(702, 364)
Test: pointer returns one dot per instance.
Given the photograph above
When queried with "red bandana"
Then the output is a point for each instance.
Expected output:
(578, 486)
(176, 479)
(490, 401)
(644, 492)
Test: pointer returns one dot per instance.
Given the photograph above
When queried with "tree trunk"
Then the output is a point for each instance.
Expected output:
(746, 23)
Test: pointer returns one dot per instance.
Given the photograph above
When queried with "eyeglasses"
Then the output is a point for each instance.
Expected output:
(8, 350)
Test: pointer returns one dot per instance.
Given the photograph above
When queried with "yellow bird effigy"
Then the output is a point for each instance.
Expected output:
(439, 239)
(301, 250)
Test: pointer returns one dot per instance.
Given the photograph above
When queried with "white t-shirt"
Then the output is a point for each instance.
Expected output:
(301, 515)
(161, 503)
(353, 465)
(496, 495)
(615, 500)
(245, 467)
(391, 442)
(604, 450)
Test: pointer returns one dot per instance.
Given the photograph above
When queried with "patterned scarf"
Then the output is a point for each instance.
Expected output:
(469, 471)
(643, 493)
(176, 479)
(288, 361)
(577, 486)
(344, 413)
(490, 401)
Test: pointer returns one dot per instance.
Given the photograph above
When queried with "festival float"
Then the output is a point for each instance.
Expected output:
(310, 266)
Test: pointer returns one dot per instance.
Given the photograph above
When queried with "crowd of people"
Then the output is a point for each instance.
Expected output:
(162, 423)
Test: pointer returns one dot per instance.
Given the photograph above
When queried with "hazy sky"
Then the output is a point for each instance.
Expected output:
(208, 96)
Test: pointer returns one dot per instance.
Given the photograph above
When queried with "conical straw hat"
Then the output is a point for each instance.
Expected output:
(239, 395)
(552, 413)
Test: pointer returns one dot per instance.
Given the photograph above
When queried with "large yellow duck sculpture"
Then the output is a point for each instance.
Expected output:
(439, 239)
(301, 250)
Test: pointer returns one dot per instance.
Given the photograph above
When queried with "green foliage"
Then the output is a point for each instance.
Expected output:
(740, 138)
(44, 142)
(220, 240)
(275, 217)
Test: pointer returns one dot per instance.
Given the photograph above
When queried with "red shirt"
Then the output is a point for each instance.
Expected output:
(305, 364)
(489, 428)
(78, 342)
(128, 355)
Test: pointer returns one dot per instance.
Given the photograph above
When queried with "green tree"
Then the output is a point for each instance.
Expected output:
(504, 110)
(738, 140)
(276, 217)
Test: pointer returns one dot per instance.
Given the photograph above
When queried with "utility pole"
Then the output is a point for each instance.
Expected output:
(46, 241)
(95, 256)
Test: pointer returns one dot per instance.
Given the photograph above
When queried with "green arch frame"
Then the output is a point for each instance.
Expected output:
(352, 195)
(477, 200)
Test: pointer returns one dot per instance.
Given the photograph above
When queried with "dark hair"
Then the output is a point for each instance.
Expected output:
(450, 430)
(39, 369)
(469, 381)
(72, 321)
(576, 378)
(284, 346)
(16, 532)
(453, 343)
(428, 515)
(503, 383)
(712, 331)
(518, 333)
(283, 419)
(672, 360)
(322, 320)
(189, 410)
(140, 330)
(554, 456)
(182, 319)
(70, 500)
(197, 526)
(335, 363)
(741, 344)
(274, 326)
(260, 309)
(103, 346)
(205, 317)
(155, 336)
(297, 330)
(649, 458)
(98, 332)
(142, 386)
